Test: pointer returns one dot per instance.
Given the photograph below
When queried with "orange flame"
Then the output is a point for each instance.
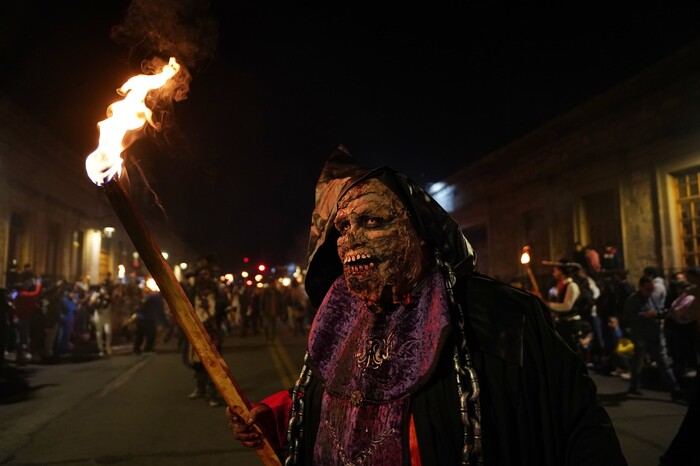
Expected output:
(525, 257)
(128, 114)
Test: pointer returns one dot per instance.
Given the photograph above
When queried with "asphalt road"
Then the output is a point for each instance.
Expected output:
(134, 410)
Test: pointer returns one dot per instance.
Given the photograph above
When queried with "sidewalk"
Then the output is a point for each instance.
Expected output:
(645, 424)
(31, 395)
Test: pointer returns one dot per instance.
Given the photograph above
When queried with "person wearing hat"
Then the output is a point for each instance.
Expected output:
(562, 303)
(416, 358)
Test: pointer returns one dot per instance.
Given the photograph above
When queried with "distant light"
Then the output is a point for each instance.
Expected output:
(108, 231)
(258, 277)
(244, 274)
(229, 278)
(152, 285)
(249, 283)
(435, 187)
(121, 271)
(183, 265)
(261, 267)
(443, 194)
(286, 281)
(246, 260)
(165, 255)
(259, 285)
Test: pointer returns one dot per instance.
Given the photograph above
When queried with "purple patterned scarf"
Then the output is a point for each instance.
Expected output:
(369, 364)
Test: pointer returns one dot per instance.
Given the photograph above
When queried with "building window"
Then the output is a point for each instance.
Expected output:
(688, 195)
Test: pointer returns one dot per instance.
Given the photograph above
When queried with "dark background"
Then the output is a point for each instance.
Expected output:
(425, 89)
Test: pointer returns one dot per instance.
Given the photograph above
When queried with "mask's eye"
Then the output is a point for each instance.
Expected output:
(342, 226)
(374, 222)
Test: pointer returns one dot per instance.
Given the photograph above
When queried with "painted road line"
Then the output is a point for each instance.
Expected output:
(123, 378)
(277, 362)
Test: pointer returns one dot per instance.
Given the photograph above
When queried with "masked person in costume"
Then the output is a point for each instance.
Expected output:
(414, 357)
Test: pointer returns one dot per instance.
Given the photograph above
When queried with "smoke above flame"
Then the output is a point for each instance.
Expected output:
(153, 28)
(129, 115)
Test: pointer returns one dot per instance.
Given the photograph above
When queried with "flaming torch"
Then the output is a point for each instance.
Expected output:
(525, 260)
(104, 167)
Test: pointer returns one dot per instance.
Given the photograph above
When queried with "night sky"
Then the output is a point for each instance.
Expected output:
(425, 90)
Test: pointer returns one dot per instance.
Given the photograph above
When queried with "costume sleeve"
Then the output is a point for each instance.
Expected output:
(280, 404)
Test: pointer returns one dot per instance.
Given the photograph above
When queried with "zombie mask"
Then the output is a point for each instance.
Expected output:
(381, 252)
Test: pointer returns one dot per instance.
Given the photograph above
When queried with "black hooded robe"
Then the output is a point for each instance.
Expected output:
(538, 404)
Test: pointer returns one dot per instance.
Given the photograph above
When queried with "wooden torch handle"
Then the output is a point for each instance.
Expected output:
(181, 307)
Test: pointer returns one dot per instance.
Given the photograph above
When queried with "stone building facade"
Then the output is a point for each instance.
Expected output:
(51, 215)
(621, 169)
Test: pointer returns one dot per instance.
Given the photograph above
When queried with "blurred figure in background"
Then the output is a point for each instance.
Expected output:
(52, 308)
(297, 307)
(5, 316)
(27, 303)
(658, 296)
(65, 329)
(100, 305)
(642, 318)
(684, 445)
(204, 301)
(562, 303)
(272, 308)
(148, 314)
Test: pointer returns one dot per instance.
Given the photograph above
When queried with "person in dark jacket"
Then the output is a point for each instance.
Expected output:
(148, 314)
(416, 358)
(641, 319)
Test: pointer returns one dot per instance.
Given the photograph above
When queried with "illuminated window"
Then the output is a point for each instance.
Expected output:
(688, 196)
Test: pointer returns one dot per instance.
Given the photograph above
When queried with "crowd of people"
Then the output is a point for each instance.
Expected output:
(45, 320)
(622, 328)
(48, 321)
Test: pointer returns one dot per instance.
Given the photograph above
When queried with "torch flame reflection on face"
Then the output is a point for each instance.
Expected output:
(128, 114)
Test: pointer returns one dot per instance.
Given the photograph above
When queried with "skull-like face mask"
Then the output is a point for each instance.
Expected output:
(381, 252)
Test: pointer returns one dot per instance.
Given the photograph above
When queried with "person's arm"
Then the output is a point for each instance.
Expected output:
(32, 294)
(271, 415)
(572, 294)
(594, 288)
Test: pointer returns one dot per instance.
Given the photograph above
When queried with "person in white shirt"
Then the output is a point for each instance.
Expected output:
(562, 302)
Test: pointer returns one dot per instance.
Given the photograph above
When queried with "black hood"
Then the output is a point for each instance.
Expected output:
(340, 173)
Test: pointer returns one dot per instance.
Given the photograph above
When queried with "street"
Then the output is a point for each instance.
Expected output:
(134, 410)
